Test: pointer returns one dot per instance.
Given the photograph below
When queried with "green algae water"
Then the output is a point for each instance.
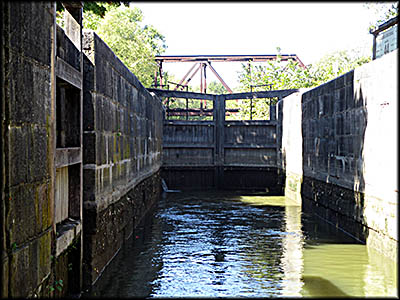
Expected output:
(222, 244)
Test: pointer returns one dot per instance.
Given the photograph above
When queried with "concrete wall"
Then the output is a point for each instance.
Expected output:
(26, 147)
(349, 150)
(122, 153)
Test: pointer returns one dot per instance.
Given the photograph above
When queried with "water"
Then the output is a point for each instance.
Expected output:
(219, 244)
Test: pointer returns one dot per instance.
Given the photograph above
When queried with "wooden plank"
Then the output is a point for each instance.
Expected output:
(248, 122)
(181, 94)
(188, 156)
(68, 73)
(250, 135)
(248, 95)
(188, 146)
(188, 134)
(261, 94)
(188, 123)
(249, 146)
(220, 129)
(250, 157)
(61, 195)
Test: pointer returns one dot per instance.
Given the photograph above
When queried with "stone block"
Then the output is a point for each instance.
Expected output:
(23, 277)
(349, 78)
(26, 37)
(110, 145)
(38, 154)
(100, 149)
(89, 106)
(21, 86)
(44, 255)
(89, 184)
(99, 113)
(339, 124)
(347, 122)
(22, 217)
(41, 95)
(30, 265)
(349, 94)
(336, 99)
(4, 277)
(100, 73)
(339, 81)
(341, 146)
(18, 138)
(342, 99)
(107, 180)
(89, 147)
(44, 207)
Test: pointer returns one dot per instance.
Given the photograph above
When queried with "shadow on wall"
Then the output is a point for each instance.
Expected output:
(334, 121)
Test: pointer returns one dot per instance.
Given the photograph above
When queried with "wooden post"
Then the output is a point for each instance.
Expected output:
(219, 142)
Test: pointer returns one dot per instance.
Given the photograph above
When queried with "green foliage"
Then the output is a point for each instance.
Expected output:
(121, 28)
(276, 74)
(135, 44)
(382, 12)
(58, 284)
(256, 109)
(279, 75)
(335, 64)
(213, 87)
(93, 12)
(290, 75)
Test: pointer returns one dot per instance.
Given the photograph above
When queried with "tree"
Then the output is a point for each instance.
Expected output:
(382, 12)
(290, 75)
(213, 87)
(93, 12)
(120, 26)
(335, 64)
(280, 75)
(134, 43)
(276, 74)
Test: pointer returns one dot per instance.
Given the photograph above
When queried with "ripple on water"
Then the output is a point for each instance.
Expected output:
(213, 245)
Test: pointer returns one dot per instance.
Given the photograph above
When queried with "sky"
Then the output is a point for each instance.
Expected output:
(308, 29)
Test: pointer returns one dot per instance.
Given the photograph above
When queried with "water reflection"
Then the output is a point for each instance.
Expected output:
(217, 244)
(292, 255)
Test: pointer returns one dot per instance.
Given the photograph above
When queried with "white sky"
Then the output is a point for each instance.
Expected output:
(308, 29)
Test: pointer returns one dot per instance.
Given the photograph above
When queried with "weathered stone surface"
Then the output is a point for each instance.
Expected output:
(26, 87)
(37, 154)
(29, 265)
(28, 200)
(4, 275)
(26, 37)
(349, 150)
(116, 104)
(106, 230)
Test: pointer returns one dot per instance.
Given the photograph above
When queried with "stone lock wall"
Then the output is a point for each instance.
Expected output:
(41, 134)
(122, 153)
(348, 172)
(26, 149)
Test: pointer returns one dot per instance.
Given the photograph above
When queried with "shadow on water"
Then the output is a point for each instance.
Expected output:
(318, 287)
